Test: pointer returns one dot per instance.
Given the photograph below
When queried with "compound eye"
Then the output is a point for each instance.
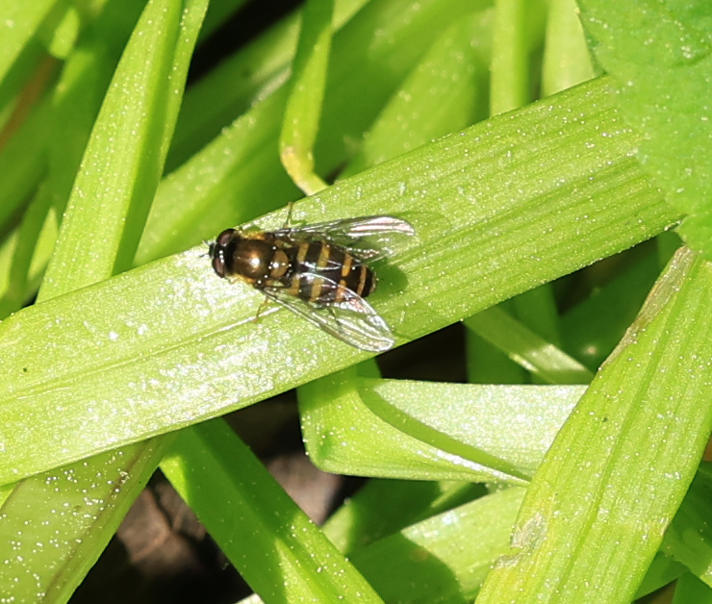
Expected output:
(219, 263)
(224, 238)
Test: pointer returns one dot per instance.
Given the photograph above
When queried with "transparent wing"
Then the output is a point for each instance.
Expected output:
(367, 237)
(353, 320)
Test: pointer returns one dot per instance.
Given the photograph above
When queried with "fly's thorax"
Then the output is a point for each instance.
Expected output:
(248, 258)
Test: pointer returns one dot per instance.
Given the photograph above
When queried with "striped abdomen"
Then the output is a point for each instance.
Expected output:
(322, 272)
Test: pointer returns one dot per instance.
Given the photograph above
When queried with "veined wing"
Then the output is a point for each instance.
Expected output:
(353, 320)
(367, 237)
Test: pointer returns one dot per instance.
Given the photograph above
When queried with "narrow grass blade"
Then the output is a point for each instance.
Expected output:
(277, 549)
(445, 92)
(567, 61)
(122, 163)
(431, 431)
(596, 510)
(526, 348)
(20, 22)
(306, 93)
(55, 525)
(689, 538)
(516, 35)
(383, 507)
(444, 558)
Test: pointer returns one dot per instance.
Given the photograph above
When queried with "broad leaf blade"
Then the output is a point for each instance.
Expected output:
(119, 346)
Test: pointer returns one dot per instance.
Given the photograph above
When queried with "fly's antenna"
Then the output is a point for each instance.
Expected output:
(211, 248)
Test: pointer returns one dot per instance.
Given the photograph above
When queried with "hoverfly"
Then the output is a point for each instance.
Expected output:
(318, 271)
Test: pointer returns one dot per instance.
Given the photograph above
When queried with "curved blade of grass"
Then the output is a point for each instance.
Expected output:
(690, 590)
(567, 61)
(444, 558)
(596, 510)
(431, 431)
(662, 570)
(120, 346)
(51, 557)
(383, 507)
(70, 115)
(277, 549)
(443, 93)
(661, 56)
(527, 349)
(689, 537)
(516, 35)
(593, 328)
(122, 164)
(238, 176)
(21, 21)
(250, 74)
(306, 93)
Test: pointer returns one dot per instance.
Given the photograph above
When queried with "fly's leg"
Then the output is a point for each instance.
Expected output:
(262, 308)
(289, 222)
(330, 310)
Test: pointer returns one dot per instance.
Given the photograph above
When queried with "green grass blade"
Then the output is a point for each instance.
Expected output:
(596, 510)
(306, 94)
(21, 21)
(131, 336)
(567, 61)
(444, 92)
(526, 348)
(51, 557)
(444, 558)
(277, 549)
(122, 163)
(383, 507)
(689, 538)
(593, 328)
(238, 176)
(429, 430)
(515, 36)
